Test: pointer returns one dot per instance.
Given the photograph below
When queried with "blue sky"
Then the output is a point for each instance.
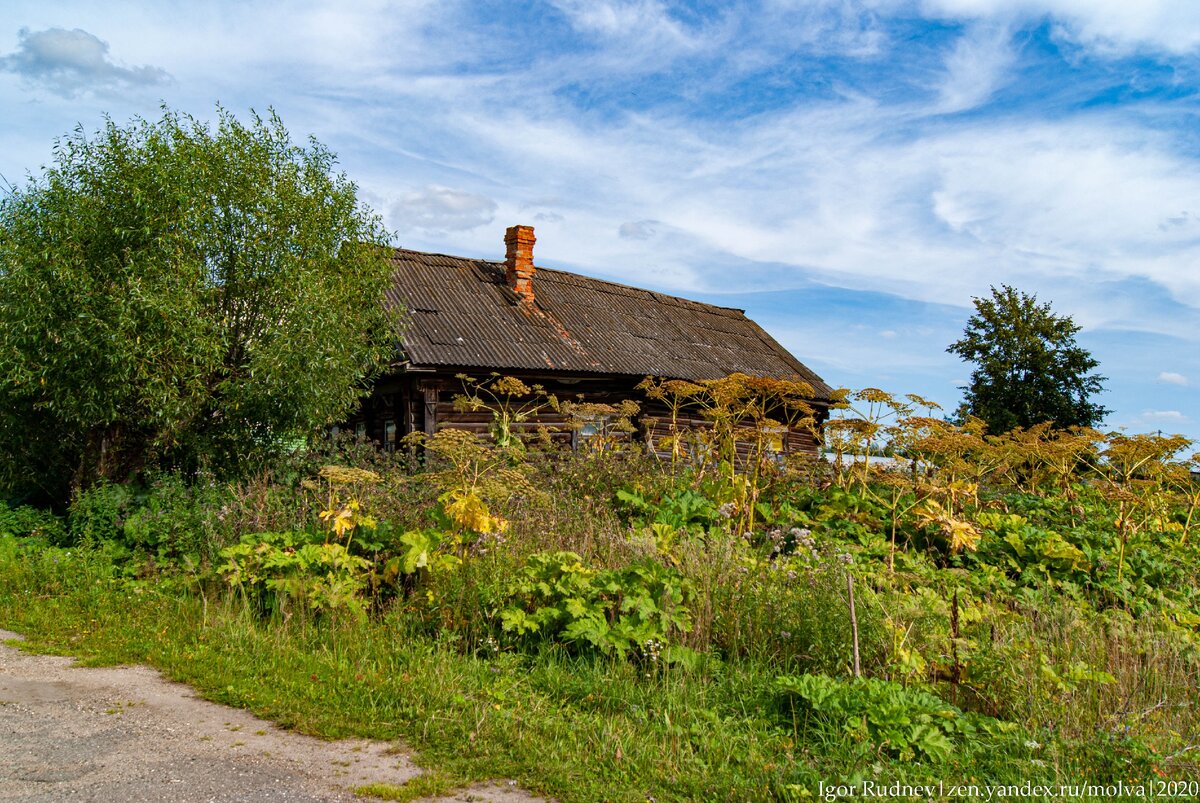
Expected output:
(850, 173)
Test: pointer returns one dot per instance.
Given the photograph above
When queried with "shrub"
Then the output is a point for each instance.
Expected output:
(172, 521)
(25, 521)
(98, 514)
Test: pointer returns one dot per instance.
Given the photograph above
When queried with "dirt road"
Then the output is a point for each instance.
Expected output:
(69, 733)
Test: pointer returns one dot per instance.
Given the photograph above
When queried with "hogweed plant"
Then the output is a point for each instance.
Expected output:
(1181, 480)
(512, 404)
(868, 421)
(758, 412)
(677, 395)
(472, 476)
(600, 427)
(1134, 472)
(343, 515)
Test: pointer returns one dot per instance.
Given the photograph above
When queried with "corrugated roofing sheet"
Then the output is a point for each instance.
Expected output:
(461, 312)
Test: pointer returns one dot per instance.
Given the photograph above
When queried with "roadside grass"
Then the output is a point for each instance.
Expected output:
(606, 627)
(580, 729)
(427, 784)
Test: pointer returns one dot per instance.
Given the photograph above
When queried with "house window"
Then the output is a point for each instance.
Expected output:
(389, 435)
(776, 438)
(360, 429)
(776, 446)
(591, 433)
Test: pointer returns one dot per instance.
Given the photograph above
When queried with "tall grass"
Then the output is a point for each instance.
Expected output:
(1102, 690)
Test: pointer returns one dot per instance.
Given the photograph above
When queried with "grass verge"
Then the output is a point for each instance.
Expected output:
(577, 729)
(580, 729)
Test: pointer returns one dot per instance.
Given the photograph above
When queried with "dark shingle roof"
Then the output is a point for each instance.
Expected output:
(461, 312)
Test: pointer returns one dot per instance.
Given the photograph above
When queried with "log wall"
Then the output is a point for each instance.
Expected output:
(424, 402)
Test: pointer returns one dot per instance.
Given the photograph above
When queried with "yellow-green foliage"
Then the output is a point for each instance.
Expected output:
(1026, 602)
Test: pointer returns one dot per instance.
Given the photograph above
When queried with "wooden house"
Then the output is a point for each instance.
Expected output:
(574, 335)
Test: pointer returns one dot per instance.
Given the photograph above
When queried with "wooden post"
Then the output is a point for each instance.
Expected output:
(431, 397)
(956, 667)
(853, 624)
(368, 416)
(406, 400)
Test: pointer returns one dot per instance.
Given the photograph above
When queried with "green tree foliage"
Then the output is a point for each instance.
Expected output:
(176, 293)
(1029, 369)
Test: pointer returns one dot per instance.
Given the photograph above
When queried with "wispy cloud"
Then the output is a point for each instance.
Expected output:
(442, 209)
(68, 62)
(976, 66)
(638, 229)
(907, 153)
(1171, 421)
(1105, 25)
(643, 26)
(1173, 378)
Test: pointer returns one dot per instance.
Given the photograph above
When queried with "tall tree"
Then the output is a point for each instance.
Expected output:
(1028, 367)
(177, 293)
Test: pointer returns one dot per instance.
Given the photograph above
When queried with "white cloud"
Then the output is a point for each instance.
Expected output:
(632, 36)
(1165, 420)
(1173, 378)
(71, 61)
(853, 29)
(443, 209)
(1056, 207)
(976, 66)
(1080, 194)
(622, 19)
(1107, 25)
(638, 229)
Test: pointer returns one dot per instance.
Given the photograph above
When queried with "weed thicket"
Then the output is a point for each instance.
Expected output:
(610, 625)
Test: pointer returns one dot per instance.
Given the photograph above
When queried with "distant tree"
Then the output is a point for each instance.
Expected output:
(176, 294)
(1029, 369)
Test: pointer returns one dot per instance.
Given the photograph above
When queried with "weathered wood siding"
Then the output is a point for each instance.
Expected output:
(424, 402)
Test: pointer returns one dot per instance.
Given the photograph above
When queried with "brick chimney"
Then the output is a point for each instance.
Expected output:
(518, 261)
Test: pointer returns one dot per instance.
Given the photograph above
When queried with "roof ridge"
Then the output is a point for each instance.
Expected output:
(656, 293)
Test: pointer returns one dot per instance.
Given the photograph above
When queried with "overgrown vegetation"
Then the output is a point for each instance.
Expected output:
(166, 289)
(610, 625)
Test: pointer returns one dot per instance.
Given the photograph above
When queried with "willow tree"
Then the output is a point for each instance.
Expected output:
(178, 292)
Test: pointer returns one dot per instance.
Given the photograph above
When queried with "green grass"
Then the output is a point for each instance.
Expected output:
(576, 728)
(428, 784)
(1055, 660)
